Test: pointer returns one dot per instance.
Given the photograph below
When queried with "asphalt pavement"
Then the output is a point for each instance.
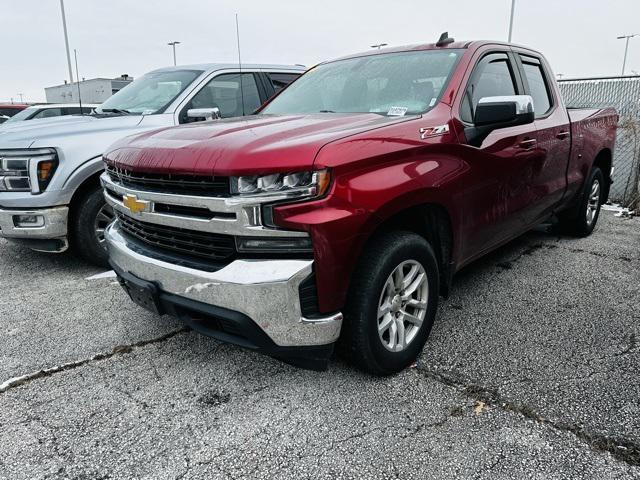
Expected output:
(531, 371)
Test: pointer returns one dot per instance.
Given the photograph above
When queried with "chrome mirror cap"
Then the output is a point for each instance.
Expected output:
(524, 103)
(206, 113)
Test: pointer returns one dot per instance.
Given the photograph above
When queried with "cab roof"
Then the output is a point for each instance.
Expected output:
(473, 44)
(213, 67)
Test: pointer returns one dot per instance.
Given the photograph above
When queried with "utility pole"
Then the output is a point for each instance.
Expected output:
(66, 40)
(173, 44)
(75, 54)
(626, 49)
(379, 45)
(513, 7)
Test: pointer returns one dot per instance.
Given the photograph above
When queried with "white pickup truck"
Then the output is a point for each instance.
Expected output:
(50, 194)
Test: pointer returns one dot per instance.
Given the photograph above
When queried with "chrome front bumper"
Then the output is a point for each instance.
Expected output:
(55, 223)
(266, 291)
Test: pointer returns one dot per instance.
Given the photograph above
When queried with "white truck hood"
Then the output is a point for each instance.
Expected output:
(47, 132)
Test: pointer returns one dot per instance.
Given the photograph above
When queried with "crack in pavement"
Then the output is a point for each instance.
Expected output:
(530, 249)
(117, 350)
(625, 450)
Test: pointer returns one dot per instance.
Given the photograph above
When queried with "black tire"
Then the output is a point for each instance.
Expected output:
(576, 222)
(364, 344)
(86, 241)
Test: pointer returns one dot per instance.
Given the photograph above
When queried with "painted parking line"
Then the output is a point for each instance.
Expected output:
(109, 274)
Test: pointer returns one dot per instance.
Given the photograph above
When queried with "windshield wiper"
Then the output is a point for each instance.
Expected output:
(327, 111)
(120, 111)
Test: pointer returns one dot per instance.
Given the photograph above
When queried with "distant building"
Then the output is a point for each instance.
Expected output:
(94, 90)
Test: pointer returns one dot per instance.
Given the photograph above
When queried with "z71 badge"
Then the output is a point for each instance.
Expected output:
(433, 131)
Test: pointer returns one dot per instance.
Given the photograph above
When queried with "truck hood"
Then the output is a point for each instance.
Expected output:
(48, 130)
(260, 143)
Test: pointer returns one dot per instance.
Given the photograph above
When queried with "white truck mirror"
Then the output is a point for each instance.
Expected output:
(212, 113)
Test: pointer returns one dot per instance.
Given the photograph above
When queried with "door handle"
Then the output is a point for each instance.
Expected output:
(562, 135)
(528, 143)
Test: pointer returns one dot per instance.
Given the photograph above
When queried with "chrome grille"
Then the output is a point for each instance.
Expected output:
(211, 246)
(169, 183)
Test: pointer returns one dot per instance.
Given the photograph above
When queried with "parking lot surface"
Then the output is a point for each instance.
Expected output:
(531, 371)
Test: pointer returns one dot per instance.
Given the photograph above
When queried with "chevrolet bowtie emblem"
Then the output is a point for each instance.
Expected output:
(134, 205)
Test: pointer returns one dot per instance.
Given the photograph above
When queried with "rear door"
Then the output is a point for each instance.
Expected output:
(279, 80)
(553, 138)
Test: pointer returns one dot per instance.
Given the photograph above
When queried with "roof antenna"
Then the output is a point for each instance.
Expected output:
(444, 40)
(240, 64)
(75, 54)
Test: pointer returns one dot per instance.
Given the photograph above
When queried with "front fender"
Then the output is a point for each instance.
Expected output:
(359, 202)
(80, 175)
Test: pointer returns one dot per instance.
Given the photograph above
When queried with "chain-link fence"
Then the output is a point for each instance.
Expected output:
(622, 93)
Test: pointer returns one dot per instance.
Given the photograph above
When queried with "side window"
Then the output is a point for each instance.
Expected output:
(538, 87)
(48, 113)
(73, 110)
(281, 80)
(493, 76)
(224, 92)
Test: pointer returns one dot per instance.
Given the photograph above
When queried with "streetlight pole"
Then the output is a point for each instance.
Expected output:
(20, 94)
(379, 45)
(626, 49)
(513, 7)
(66, 40)
(173, 44)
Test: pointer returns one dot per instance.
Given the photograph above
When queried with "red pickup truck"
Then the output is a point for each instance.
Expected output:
(341, 210)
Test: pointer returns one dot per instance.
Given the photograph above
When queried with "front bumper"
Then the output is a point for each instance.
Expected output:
(264, 291)
(51, 236)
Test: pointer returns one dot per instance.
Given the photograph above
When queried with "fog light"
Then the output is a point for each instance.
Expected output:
(273, 245)
(28, 221)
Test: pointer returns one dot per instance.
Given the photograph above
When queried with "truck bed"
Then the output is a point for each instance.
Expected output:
(591, 129)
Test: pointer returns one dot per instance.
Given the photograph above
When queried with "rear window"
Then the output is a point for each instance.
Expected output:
(537, 87)
(281, 80)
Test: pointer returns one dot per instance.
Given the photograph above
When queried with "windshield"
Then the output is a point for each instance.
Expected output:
(151, 93)
(388, 84)
(22, 115)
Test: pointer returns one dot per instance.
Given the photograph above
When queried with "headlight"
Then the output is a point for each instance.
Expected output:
(282, 185)
(28, 170)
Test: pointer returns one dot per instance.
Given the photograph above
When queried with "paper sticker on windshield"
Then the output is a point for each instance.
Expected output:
(397, 111)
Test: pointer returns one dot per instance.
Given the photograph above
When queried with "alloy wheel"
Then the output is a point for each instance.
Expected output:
(593, 203)
(104, 217)
(403, 305)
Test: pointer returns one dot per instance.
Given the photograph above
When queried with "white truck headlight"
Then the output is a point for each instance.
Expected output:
(294, 185)
(28, 170)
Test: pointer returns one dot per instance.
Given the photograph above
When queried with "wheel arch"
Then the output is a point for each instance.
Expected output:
(604, 161)
(89, 183)
(431, 221)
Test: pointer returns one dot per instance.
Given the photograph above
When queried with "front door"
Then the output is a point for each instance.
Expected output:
(497, 198)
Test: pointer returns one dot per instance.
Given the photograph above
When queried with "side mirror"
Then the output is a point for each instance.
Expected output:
(499, 112)
(212, 113)
(505, 111)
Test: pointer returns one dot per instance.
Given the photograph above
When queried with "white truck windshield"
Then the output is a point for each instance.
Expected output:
(151, 93)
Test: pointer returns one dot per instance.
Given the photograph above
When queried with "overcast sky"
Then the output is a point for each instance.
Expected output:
(124, 36)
